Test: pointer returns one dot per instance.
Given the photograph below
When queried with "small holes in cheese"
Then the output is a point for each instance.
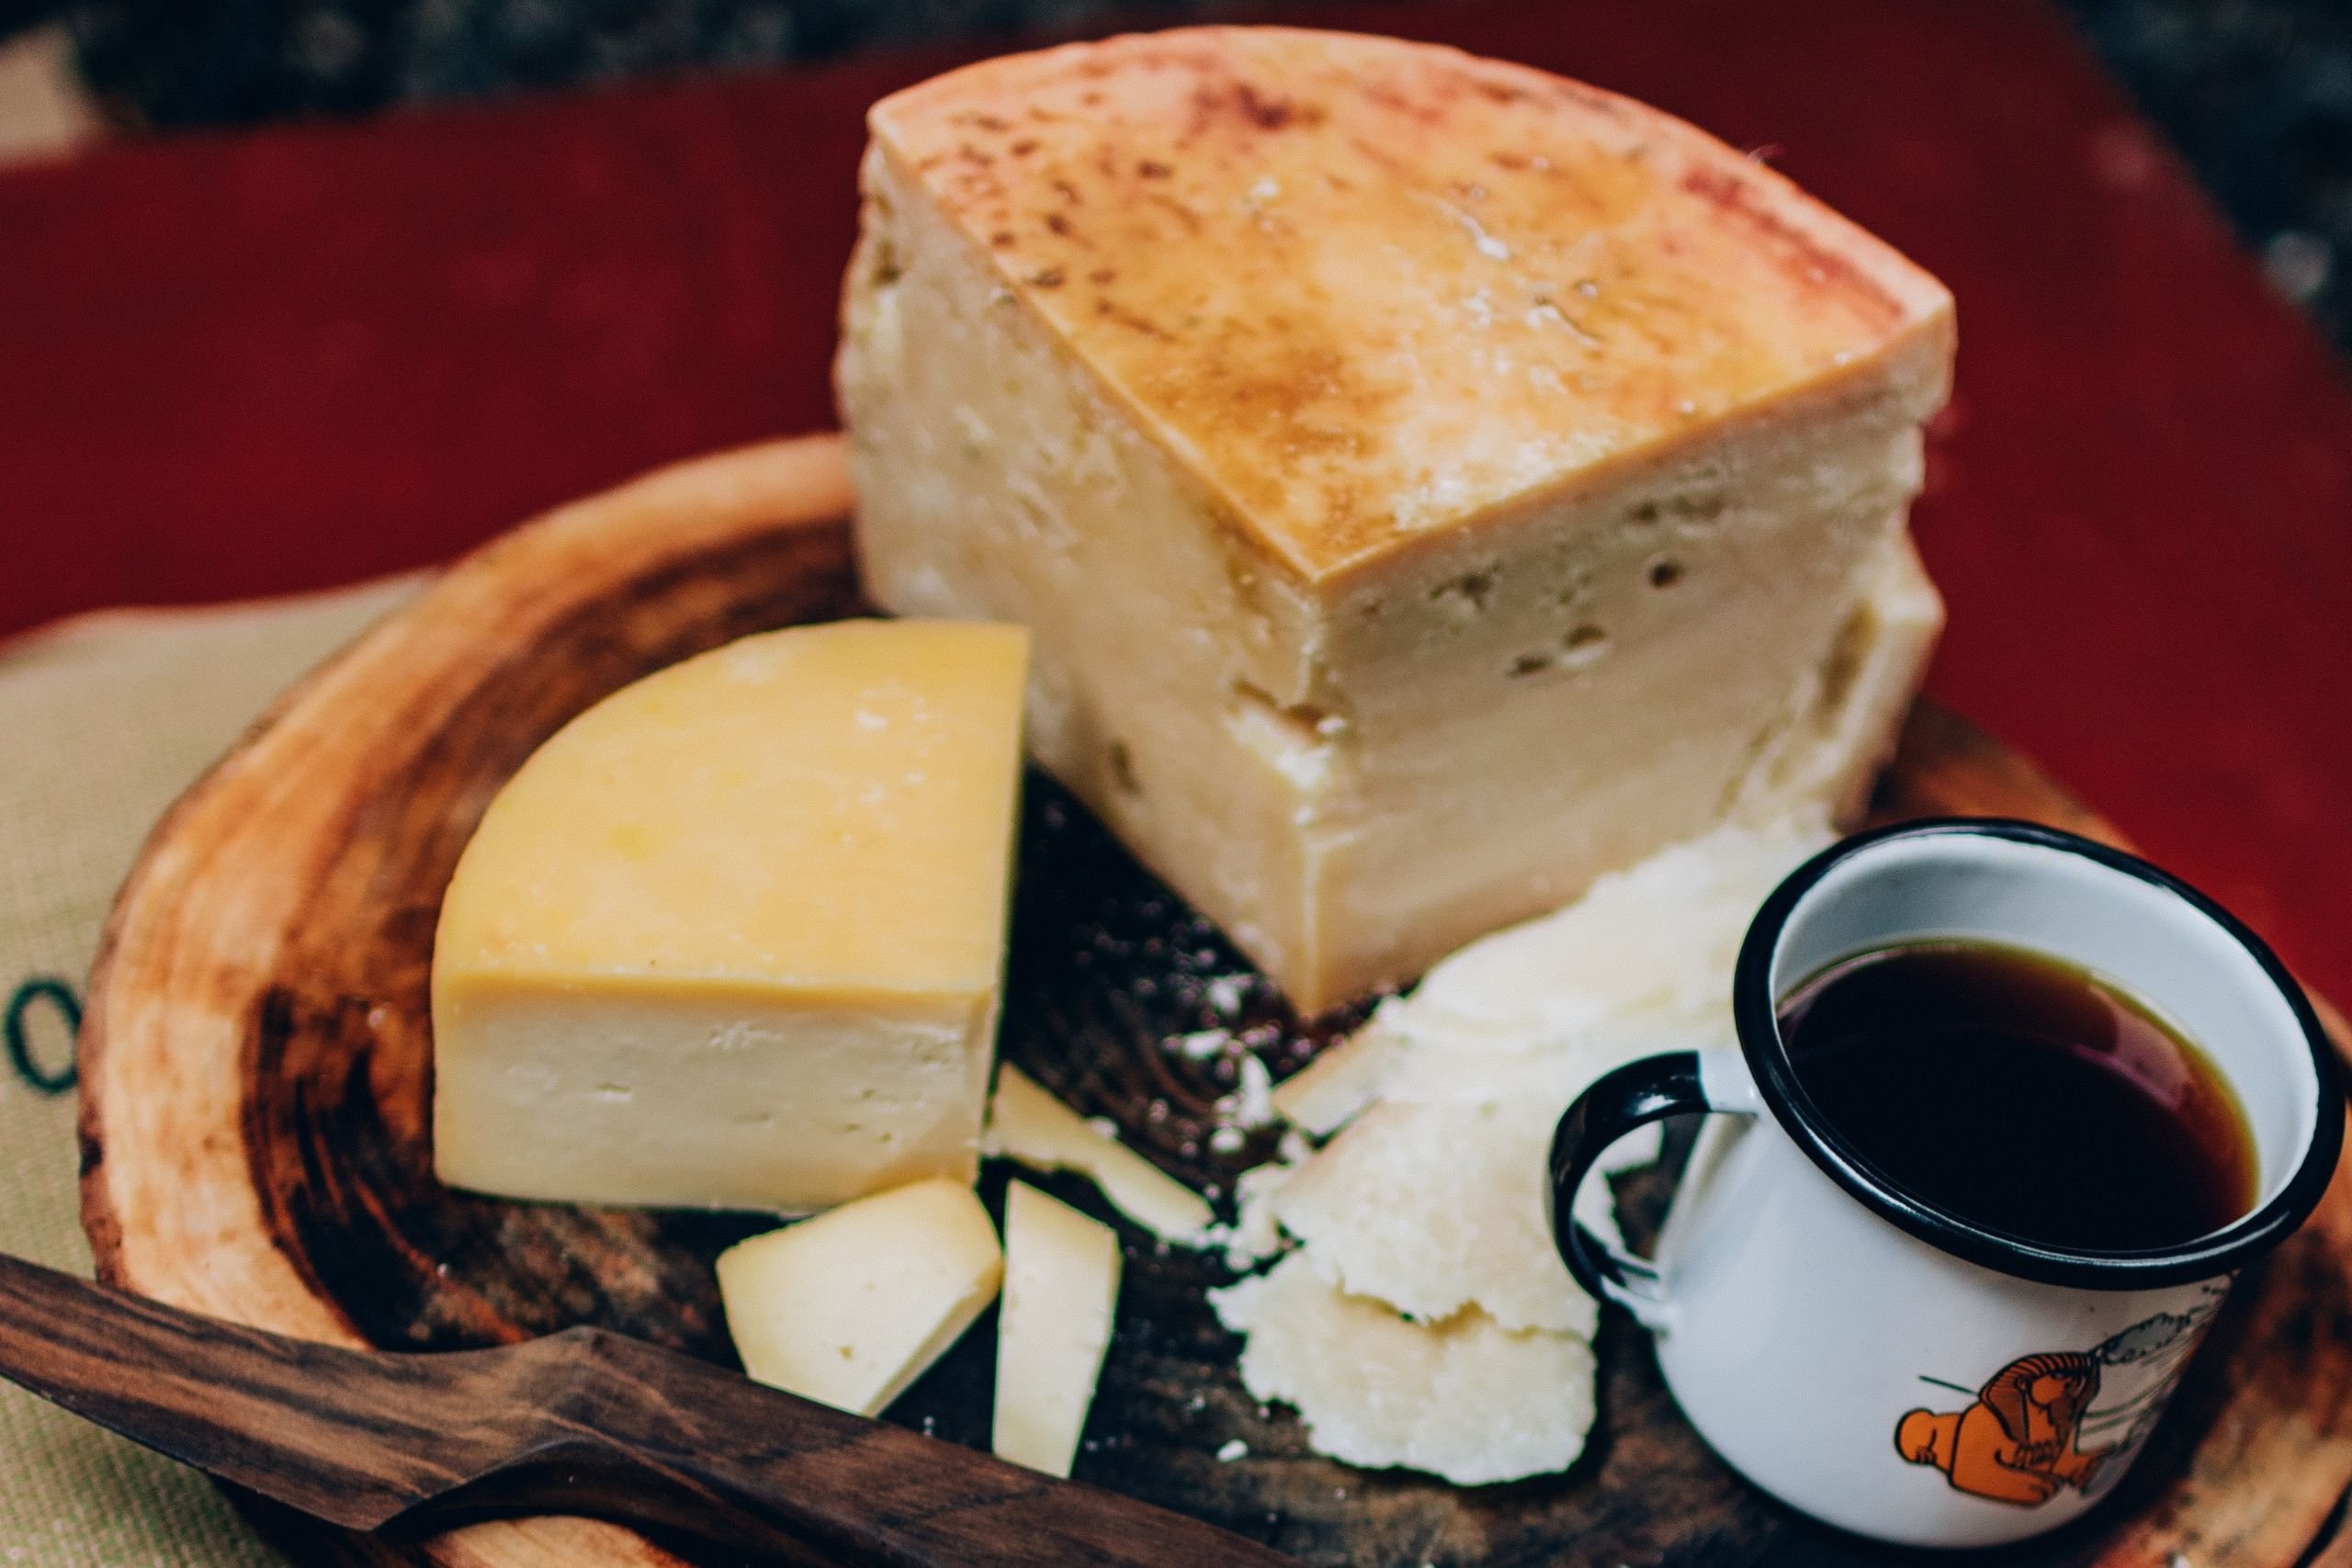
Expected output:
(1123, 768)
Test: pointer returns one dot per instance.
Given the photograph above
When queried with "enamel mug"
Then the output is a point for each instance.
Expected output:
(1873, 1361)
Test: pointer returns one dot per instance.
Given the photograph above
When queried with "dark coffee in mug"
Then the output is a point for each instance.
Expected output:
(2022, 1095)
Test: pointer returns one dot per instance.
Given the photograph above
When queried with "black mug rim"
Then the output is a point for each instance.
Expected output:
(1756, 1015)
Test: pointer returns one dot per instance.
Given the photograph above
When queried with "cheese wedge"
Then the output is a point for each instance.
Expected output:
(849, 1308)
(731, 938)
(1061, 1288)
(1029, 1126)
(1430, 483)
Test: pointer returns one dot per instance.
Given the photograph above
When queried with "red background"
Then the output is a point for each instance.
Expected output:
(236, 366)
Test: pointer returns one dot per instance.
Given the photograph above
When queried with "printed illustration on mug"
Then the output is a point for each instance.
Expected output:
(2024, 1439)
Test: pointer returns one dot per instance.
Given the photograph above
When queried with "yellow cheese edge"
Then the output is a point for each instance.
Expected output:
(851, 1307)
(1029, 1126)
(1061, 1291)
(568, 881)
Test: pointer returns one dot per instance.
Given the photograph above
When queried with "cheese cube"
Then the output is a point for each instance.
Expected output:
(732, 937)
(1061, 1285)
(851, 1307)
(1430, 483)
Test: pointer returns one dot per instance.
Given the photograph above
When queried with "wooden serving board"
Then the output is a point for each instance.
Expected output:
(258, 1073)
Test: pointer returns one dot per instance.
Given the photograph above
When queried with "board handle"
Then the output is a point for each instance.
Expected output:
(647, 1437)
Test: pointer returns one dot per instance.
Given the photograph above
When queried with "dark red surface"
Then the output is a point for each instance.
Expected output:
(239, 366)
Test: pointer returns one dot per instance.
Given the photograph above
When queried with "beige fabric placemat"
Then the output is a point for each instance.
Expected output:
(108, 718)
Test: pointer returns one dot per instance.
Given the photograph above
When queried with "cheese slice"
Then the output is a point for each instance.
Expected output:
(1028, 1125)
(1061, 1288)
(731, 938)
(851, 1307)
(1431, 484)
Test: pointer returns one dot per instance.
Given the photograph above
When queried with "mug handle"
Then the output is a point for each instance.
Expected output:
(1677, 1083)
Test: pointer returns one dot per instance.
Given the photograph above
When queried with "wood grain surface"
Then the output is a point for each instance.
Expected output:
(400, 1444)
(257, 1073)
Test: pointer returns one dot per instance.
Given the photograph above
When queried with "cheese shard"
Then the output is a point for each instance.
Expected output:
(1431, 484)
(1061, 1288)
(1327, 1093)
(850, 1307)
(1028, 1125)
(732, 937)
(1465, 1398)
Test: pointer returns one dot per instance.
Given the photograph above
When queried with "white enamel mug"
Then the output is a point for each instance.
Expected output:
(1865, 1357)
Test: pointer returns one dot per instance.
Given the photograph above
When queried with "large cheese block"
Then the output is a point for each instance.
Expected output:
(732, 937)
(1430, 483)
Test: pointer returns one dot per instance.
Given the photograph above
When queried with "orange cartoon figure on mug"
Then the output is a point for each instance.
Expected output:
(2015, 1444)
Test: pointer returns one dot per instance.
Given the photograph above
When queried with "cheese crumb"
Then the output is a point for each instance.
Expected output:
(1204, 1044)
(1225, 993)
(1253, 1103)
(1233, 1449)
(1256, 1235)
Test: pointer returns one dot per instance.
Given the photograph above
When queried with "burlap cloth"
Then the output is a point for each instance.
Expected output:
(108, 718)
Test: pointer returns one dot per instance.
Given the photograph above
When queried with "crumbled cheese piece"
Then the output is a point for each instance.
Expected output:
(1464, 1399)
(1225, 993)
(1424, 1248)
(1252, 1105)
(1434, 1198)
(1656, 941)
(1432, 1208)
(1231, 1449)
(1256, 1233)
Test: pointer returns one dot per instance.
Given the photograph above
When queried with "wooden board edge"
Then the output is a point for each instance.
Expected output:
(800, 482)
